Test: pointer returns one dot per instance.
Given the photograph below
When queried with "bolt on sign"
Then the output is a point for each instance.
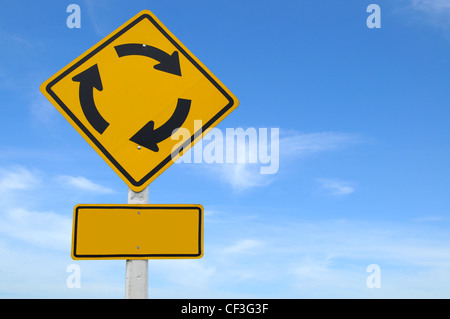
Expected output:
(129, 94)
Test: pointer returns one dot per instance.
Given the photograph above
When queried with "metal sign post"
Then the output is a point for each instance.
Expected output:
(136, 281)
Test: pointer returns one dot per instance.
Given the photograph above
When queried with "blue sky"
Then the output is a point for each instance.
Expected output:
(363, 159)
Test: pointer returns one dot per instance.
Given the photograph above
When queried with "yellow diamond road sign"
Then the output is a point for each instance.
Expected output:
(132, 91)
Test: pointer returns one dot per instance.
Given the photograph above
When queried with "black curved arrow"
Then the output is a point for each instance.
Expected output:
(149, 138)
(169, 63)
(90, 79)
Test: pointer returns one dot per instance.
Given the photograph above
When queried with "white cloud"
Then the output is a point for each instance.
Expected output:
(432, 5)
(95, 12)
(437, 12)
(240, 176)
(286, 147)
(246, 258)
(82, 183)
(430, 218)
(181, 278)
(44, 229)
(43, 114)
(292, 145)
(295, 144)
(14, 40)
(35, 242)
(292, 258)
(17, 178)
(242, 246)
(337, 187)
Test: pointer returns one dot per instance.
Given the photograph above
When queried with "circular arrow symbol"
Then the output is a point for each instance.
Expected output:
(147, 136)
(90, 79)
(169, 63)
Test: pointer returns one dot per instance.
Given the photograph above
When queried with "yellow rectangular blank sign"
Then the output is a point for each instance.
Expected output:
(137, 231)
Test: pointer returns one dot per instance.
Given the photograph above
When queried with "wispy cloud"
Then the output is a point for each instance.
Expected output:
(435, 6)
(312, 258)
(190, 277)
(431, 219)
(10, 39)
(295, 258)
(17, 178)
(43, 113)
(336, 187)
(291, 145)
(44, 229)
(84, 184)
(35, 237)
(437, 12)
(242, 246)
(19, 186)
(95, 10)
(240, 176)
(295, 144)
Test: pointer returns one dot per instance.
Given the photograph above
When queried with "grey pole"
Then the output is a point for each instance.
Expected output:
(136, 282)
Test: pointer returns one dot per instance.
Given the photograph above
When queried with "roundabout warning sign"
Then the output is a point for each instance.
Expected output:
(132, 91)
